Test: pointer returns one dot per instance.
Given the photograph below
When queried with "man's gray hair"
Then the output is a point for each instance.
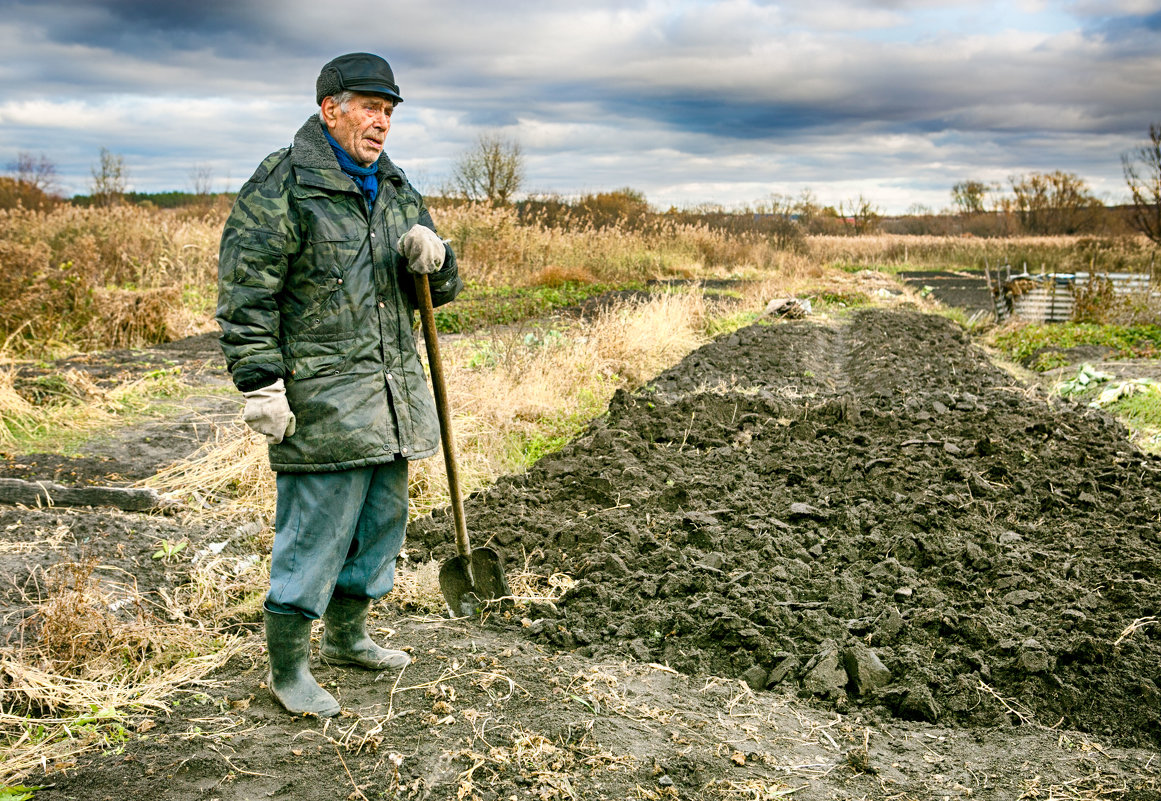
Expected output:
(343, 99)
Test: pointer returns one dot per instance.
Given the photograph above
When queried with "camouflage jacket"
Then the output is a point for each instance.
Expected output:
(312, 289)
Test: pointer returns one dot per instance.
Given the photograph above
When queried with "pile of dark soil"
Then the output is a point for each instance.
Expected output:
(868, 512)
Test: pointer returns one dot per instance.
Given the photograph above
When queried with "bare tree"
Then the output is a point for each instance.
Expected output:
(37, 171)
(1142, 168)
(860, 214)
(110, 179)
(806, 208)
(779, 215)
(202, 178)
(493, 170)
(968, 197)
(1053, 202)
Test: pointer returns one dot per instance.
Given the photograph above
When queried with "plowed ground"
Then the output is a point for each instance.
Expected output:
(795, 500)
(823, 559)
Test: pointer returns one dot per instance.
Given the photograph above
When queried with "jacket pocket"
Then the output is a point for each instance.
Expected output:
(312, 366)
(259, 259)
(310, 359)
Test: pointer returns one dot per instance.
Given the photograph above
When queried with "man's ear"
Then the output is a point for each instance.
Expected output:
(330, 110)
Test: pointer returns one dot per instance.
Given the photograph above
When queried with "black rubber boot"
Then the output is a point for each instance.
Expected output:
(345, 639)
(290, 681)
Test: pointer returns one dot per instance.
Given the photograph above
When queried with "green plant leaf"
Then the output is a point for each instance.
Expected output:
(17, 792)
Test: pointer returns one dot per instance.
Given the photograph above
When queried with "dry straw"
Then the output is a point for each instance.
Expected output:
(228, 476)
(70, 401)
(92, 657)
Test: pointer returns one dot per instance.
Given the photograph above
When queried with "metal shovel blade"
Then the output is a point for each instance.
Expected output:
(464, 598)
(473, 576)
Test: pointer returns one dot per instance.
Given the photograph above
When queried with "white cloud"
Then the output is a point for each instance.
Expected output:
(668, 97)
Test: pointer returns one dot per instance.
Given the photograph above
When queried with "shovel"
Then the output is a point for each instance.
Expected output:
(472, 576)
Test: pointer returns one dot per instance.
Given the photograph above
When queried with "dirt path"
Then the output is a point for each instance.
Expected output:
(488, 715)
(825, 560)
(121, 455)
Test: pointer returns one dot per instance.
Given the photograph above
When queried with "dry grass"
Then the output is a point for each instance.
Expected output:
(128, 275)
(220, 591)
(92, 628)
(417, 587)
(498, 250)
(228, 476)
(70, 402)
(551, 768)
(91, 660)
(1039, 253)
(18, 416)
(105, 277)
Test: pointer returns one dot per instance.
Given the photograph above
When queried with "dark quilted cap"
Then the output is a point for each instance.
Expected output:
(359, 72)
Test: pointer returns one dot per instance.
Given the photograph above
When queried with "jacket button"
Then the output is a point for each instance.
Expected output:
(372, 234)
(386, 447)
(381, 304)
(340, 280)
(389, 376)
(403, 450)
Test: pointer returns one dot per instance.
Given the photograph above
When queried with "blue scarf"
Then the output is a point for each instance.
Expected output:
(366, 178)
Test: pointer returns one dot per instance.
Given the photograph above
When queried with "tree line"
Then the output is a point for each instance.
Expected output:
(494, 170)
(1036, 203)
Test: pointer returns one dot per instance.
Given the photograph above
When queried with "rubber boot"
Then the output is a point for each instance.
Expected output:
(345, 639)
(290, 681)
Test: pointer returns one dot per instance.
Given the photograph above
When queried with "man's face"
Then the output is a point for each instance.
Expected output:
(361, 129)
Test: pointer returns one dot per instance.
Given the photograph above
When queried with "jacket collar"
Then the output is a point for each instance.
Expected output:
(316, 164)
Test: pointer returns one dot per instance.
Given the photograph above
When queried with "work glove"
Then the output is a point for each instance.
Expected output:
(423, 249)
(267, 412)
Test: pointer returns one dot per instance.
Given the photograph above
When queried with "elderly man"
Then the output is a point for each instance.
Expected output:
(316, 298)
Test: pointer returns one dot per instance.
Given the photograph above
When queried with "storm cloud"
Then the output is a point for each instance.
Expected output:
(689, 102)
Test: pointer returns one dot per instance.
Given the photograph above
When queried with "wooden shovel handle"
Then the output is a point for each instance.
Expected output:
(427, 319)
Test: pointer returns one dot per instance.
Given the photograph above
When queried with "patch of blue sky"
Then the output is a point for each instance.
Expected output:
(972, 20)
(1127, 26)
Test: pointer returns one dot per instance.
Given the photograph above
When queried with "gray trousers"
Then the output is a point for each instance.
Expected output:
(336, 533)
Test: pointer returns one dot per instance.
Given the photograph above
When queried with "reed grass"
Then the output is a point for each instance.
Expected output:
(897, 252)
(104, 277)
(496, 249)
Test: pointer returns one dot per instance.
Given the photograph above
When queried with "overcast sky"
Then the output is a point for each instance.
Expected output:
(689, 102)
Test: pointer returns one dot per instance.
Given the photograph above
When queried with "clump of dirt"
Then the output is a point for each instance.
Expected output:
(870, 513)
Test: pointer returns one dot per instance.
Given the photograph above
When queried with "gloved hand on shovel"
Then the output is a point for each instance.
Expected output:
(423, 249)
(267, 412)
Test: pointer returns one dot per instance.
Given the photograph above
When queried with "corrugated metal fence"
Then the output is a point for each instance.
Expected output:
(1051, 297)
